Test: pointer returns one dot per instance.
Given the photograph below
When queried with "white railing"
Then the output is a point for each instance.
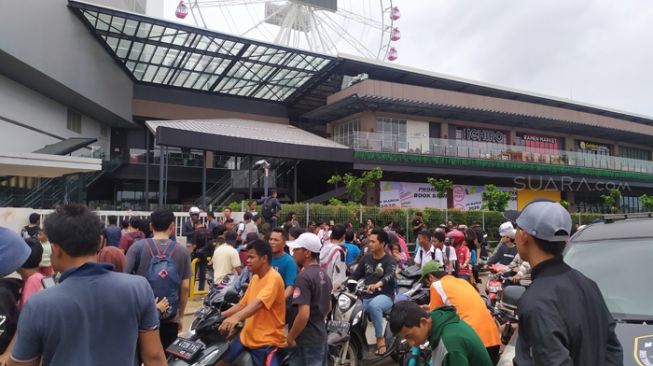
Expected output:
(372, 141)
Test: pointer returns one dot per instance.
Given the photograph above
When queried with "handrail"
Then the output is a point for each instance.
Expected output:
(373, 141)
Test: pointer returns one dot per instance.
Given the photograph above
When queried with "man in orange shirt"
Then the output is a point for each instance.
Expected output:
(263, 308)
(447, 290)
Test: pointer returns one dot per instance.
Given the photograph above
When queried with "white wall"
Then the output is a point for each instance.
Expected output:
(417, 133)
(31, 108)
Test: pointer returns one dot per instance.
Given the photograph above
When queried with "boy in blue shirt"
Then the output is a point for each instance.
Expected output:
(353, 251)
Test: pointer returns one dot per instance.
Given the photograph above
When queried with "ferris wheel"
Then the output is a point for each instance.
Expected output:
(363, 27)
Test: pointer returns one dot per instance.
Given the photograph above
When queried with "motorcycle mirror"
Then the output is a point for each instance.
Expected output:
(511, 295)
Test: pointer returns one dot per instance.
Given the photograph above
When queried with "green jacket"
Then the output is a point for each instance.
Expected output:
(453, 342)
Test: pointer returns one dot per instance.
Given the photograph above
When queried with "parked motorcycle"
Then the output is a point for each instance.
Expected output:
(505, 312)
(351, 331)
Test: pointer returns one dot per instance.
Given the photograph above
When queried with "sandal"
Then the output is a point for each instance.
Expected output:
(379, 348)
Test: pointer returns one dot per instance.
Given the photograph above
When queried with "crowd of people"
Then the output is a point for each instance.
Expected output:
(122, 291)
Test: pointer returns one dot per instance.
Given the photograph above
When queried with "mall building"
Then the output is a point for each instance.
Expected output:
(103, 104)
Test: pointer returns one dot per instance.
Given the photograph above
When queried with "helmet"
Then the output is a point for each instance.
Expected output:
(457, 237)
(194, 211)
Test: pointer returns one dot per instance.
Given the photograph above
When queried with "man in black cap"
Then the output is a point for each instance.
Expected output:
(563, 319)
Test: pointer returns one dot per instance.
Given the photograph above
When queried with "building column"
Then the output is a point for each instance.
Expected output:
(204, 180)
(161, 174)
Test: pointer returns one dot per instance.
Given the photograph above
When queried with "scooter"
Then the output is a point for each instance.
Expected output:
(505, 312)
(221, 296)
(351, 331)
(495, 282)
(206, 346)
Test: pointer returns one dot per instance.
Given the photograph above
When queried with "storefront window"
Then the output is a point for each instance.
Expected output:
(634, 153)
(595, 148)
(347, 132)
(392, 132)
(538, 143)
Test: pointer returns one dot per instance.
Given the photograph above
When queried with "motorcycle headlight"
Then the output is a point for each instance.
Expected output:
(344, 302)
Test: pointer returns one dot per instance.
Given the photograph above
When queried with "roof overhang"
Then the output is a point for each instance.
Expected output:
(45, 165)
(358, 103)
(246, 137)
(66, 146)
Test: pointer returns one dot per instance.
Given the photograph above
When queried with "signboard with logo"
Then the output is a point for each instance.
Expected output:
(470, 197)
(593, 147)
(409, 195)
(481, 135)
(539, 142)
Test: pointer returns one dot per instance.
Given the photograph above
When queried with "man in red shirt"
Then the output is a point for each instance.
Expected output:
(133, 233)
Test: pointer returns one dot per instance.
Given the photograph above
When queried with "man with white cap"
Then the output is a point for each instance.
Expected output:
(507, 249)
(563, 319)
(307, 335)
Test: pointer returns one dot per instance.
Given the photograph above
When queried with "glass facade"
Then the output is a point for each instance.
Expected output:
(634, 153)
(185, 57)
(345, 133)
(392, 133)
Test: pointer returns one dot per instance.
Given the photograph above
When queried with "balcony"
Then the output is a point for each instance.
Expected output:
(520, 157)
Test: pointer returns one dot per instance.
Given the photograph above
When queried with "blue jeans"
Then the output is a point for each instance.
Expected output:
(376, 306)
(308, 355)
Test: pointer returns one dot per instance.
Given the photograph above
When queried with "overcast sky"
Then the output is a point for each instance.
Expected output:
(593, 51)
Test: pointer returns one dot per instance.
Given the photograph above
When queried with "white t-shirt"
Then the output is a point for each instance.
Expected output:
(225, 261)
(422, 257)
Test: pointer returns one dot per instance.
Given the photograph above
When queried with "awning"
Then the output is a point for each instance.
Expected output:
(246, 137)
(66, 147)
(45, 165)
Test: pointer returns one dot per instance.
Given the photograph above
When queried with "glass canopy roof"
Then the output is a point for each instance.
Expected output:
(167, 53)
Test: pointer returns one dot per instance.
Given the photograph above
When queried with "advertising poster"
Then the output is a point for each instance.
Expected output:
(470, 198)
(409, 195)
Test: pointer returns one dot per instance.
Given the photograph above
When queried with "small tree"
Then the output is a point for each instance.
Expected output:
(442, 187)
(612, 199)
(565, 204)
(495, 199)
(647, 202)
(357, 185)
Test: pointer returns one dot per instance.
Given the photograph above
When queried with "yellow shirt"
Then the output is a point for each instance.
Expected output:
(266, 327)
(469, 306)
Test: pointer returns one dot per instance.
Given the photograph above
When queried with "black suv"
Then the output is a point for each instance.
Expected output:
(618, 255)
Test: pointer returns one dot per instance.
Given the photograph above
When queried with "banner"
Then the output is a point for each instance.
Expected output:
(409, 195)
(470, 198)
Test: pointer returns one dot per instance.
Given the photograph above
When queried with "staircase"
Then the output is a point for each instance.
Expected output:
(53, 191)
(227, 187)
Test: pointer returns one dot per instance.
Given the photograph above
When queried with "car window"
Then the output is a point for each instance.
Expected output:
(623, 270)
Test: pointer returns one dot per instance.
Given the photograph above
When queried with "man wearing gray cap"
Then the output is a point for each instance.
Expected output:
(563, 319)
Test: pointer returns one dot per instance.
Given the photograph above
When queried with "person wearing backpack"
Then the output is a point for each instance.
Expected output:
(333, 256)
(449, 259)
(166, 266)
(93, 316)
(271, 208)
(426, 252)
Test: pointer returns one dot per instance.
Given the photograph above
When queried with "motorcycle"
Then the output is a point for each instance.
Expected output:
(505, 312)
(206, 346)
(221, 296)
(406, 280)
(496, 281)
(351, 331)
